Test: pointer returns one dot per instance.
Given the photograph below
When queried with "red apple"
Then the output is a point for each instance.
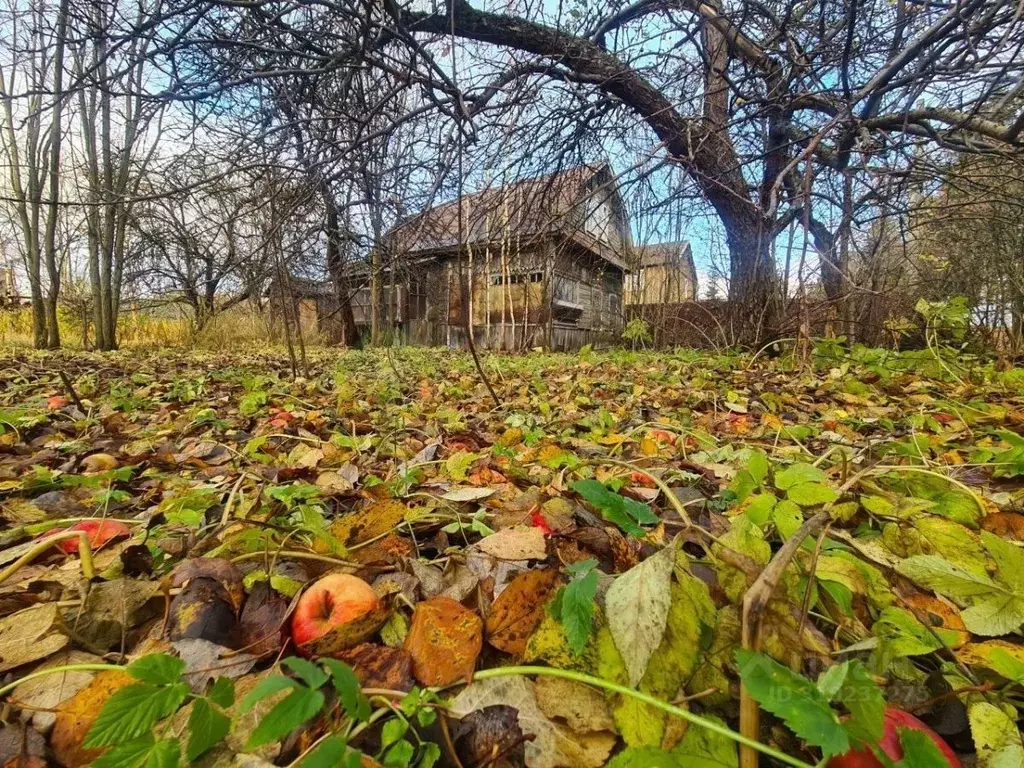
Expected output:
(98, 532)
(335, 599)
(895, 719)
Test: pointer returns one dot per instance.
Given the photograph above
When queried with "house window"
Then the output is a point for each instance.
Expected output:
(517, 278)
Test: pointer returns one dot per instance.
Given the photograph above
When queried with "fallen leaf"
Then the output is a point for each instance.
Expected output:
(520, 542)
(43, 696)
(263, 619)
(468, 493)
(353, 632)
(636, 606)
(519, 609)
(369, 523)
(30, 635)
(552, 746)
(444, 641)
(379, 666)
(75, 718)
(584, 709)
(204, 610)
(98, 462)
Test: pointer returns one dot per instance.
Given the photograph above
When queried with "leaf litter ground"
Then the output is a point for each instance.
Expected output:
(561, 577)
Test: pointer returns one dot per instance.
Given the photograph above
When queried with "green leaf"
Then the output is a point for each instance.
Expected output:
(157, 668)
(132, 712)
(623, 512)
(346, 683)
(701, 748)
(643, 757)
(939, 575)
(996, 737)
(222, 692)
(328, 754)
(759, 508)
(394, 729)
(998, 615)
(430, 753)
(919, 751)
(787, 517)
(793, 699)
(206, 727)
(796, 474)
(575, 608)
(128, 755)
(757, 466)
(166, 753)
(636, 608)
(865, 702)
(267, 687)
(811, 494)
(308, 672)
(399, 755)
(288, 714)
(1009, 560)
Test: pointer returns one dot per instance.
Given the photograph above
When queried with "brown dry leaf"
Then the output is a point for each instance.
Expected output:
(520, 542)
(263, 619)
(378, 666)
(388, 550)
(111, 609)
(42, 696)
(444, 640)
(369, 523)
(1009, 525)
(75, 718)
(938, 613)
(352, 633)
(220, 569)
(519, 609)
(584, 709)
(553, 746)
(30, 635)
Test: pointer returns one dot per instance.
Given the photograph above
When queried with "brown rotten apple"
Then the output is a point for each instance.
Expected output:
(895, 720)
(335, 599)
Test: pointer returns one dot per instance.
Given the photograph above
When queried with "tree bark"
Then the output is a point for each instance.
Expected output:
(336, 269)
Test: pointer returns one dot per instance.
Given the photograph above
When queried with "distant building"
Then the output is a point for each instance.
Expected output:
(663, 273)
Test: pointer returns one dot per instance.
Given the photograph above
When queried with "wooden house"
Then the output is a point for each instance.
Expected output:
(539, 263)
(662, 273)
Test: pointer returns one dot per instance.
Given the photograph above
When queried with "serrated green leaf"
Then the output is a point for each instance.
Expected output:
(131, 754)
(266, 687)
(399, 755)
(166, 753)
(919, 751)
(222, 692)
(328, 754)
(346, 683)
(288, 714)
(941, 576)
(430, 753)
(759, 507)
(832, 680)
(132, 712)
(787, 517)
(1009, 560)
(637, 607)
(206, 728)
(994, 616)
(997, 739)
(643, 757)
(796, 474)
(617, 509)
(308, 672)
(811, 494)
(702, 748)
(793, 699)
(757, 466)
(575, 609)
(157, 668)
(393, 730)
(865, 702)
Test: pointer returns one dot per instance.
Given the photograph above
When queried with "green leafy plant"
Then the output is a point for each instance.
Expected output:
(573, 605)
(625, 512)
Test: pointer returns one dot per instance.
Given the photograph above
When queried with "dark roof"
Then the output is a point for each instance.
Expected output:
(530, 209)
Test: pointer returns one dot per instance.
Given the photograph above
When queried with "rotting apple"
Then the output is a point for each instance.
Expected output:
(335, 599)
(98, 532)
(895, 720)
